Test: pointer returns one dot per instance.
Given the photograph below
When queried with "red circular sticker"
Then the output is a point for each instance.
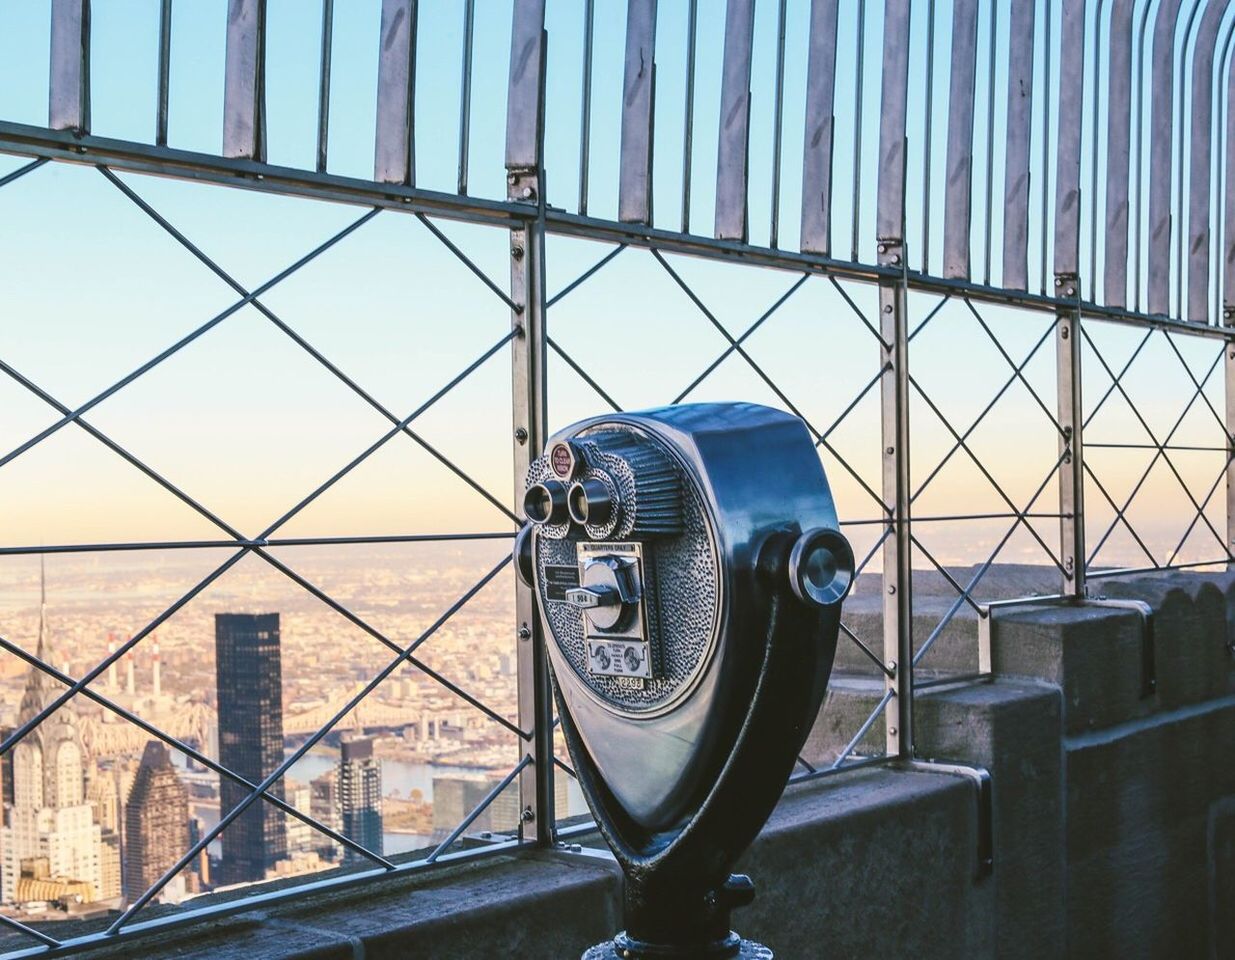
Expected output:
(561, 460)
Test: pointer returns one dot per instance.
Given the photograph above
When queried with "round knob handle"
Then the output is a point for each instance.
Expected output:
(609, 590)
(821, 567)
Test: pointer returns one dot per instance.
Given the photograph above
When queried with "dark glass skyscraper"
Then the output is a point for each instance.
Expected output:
(360, 796)
(249, 674)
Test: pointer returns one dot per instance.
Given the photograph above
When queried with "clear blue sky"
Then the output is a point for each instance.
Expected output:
(91, 288)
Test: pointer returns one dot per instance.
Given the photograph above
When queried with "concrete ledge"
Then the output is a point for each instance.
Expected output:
(1093, 653)
(539, 904)
(877, 862)
(1194, 626)
(873, 860)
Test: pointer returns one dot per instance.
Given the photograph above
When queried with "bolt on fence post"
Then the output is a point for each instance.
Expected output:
(525, 185)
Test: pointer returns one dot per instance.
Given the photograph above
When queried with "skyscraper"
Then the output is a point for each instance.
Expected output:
(156, 829)
(324, 808)
(51, 845)
(360, 796)
(249, 677)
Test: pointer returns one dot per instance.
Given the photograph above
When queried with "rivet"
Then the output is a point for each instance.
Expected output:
(891, 588)
(887, 308)
(893, 731)
(890, 450)
(528, 193)
(525, 633)
(883, 248)
(896, 258)
(520, 435)
(528, 815)
(511, 179)
(892, 665)
(516, 251)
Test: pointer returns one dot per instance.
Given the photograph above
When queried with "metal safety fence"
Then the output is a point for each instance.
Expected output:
(1003, 318)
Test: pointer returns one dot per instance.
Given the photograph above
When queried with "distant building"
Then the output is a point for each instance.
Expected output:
(249, 678)
(110, 880)
(360, 796)
(301, 837)
(156, 829)
(455, 797)
(50, 846)
(324, 808)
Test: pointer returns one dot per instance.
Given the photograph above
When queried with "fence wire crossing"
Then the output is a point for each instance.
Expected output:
(1054, 179)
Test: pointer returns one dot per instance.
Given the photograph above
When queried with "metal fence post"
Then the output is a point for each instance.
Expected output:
(1068, 285)
(525, 184)
(1071, 452)
(897, 548)
(894, 384)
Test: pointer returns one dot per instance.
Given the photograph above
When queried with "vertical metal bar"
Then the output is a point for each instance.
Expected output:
(990, 145)
(859, 91)
(165, 60)
(465, 94)
(688, 122)
(1138, 247)
(1093, 165)
(819, 135)
(323, 86)
(733, 149)
(525, 183)
(1071, 451)
(1067, 284)
(927, 132)
(1068, 166)
(1118, 148)
(1016, 154)
(524, 117)
(890, 210)
(1220, 121)
(958, 189)
(244, 85)
(1201, 161)
(894, 384)
(1228, 230)
(638, 105)
(778, 121)
(1162, 98)
(585, 106)
(1047, 29)
(394, 150)
(68, 101)
(1178, 222)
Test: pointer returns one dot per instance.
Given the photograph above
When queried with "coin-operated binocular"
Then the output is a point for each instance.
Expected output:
(689, 573)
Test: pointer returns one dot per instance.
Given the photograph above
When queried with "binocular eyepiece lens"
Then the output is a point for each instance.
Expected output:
(821, 567)
(545, 502)
(589, 502)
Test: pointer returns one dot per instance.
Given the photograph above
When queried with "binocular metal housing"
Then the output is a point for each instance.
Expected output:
(689, 573)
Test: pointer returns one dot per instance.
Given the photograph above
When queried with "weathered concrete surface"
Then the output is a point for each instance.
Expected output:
(1194, 628)
(1222, 876)
(833, 875)
(1139, 802)
(1093, 653)
(1013, 731)
(532, 905)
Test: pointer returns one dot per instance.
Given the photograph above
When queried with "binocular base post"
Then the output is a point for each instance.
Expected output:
(609, 951)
